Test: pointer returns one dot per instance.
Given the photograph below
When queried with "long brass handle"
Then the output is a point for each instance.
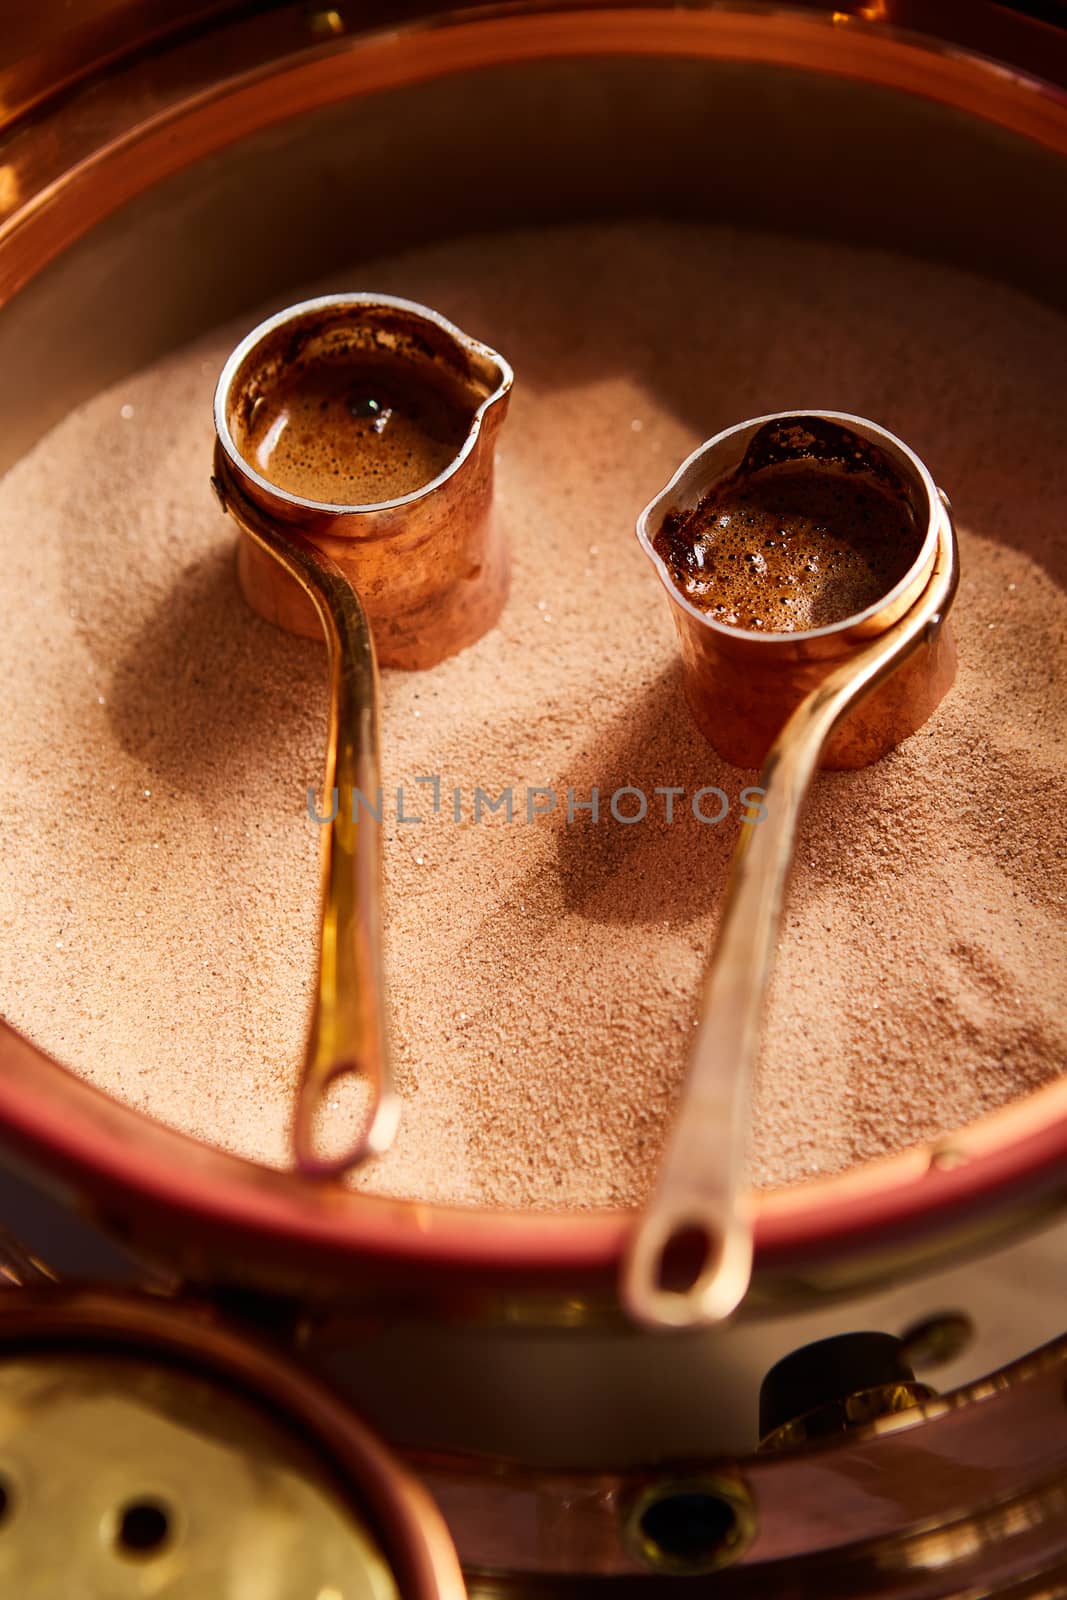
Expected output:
(347, 1034)
(702, 1200)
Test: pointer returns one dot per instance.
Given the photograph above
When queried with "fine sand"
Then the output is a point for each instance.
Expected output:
(158, 876)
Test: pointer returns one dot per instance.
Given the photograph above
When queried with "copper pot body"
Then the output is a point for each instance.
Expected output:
(431, 567)
(742, 687)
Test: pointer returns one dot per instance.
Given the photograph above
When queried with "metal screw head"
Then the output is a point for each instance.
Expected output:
(934, 1341)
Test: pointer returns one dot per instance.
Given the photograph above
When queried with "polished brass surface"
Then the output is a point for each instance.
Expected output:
(180, 1455)
(691, 1555)
(856, 1410)
(434, 570)
(347, 1033)
(829, 1386)
(702, 1185)
(128, 1479)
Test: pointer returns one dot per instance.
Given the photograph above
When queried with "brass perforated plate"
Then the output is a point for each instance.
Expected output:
(123, 1478)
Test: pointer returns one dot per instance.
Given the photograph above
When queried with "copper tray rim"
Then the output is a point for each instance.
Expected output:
(105, 1154)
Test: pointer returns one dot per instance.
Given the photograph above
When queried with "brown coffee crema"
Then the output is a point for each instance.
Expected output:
(789, 546)
(356, 430)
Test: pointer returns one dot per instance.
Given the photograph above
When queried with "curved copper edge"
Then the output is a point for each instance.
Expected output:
(48, 50)
(504, 1516)
(93, 1144)
(405, 1518)
(120, 161)
(111, 1153)
(52, 55)
(1000, 1482)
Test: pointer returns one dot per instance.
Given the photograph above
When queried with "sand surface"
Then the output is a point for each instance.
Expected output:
(158, 875)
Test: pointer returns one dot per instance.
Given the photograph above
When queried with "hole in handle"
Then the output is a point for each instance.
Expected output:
(690, 1250)
(335, 1099)
(689, 1272)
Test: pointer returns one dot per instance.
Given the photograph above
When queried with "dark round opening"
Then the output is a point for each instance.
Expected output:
(683, 1258)
(144, 1528)
(5, 1500)
(688, 1528)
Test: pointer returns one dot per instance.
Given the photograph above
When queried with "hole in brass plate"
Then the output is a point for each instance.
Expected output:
(143, 1529)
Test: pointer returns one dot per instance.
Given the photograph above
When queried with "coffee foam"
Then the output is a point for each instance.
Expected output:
(793, 546)
(358, 430)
